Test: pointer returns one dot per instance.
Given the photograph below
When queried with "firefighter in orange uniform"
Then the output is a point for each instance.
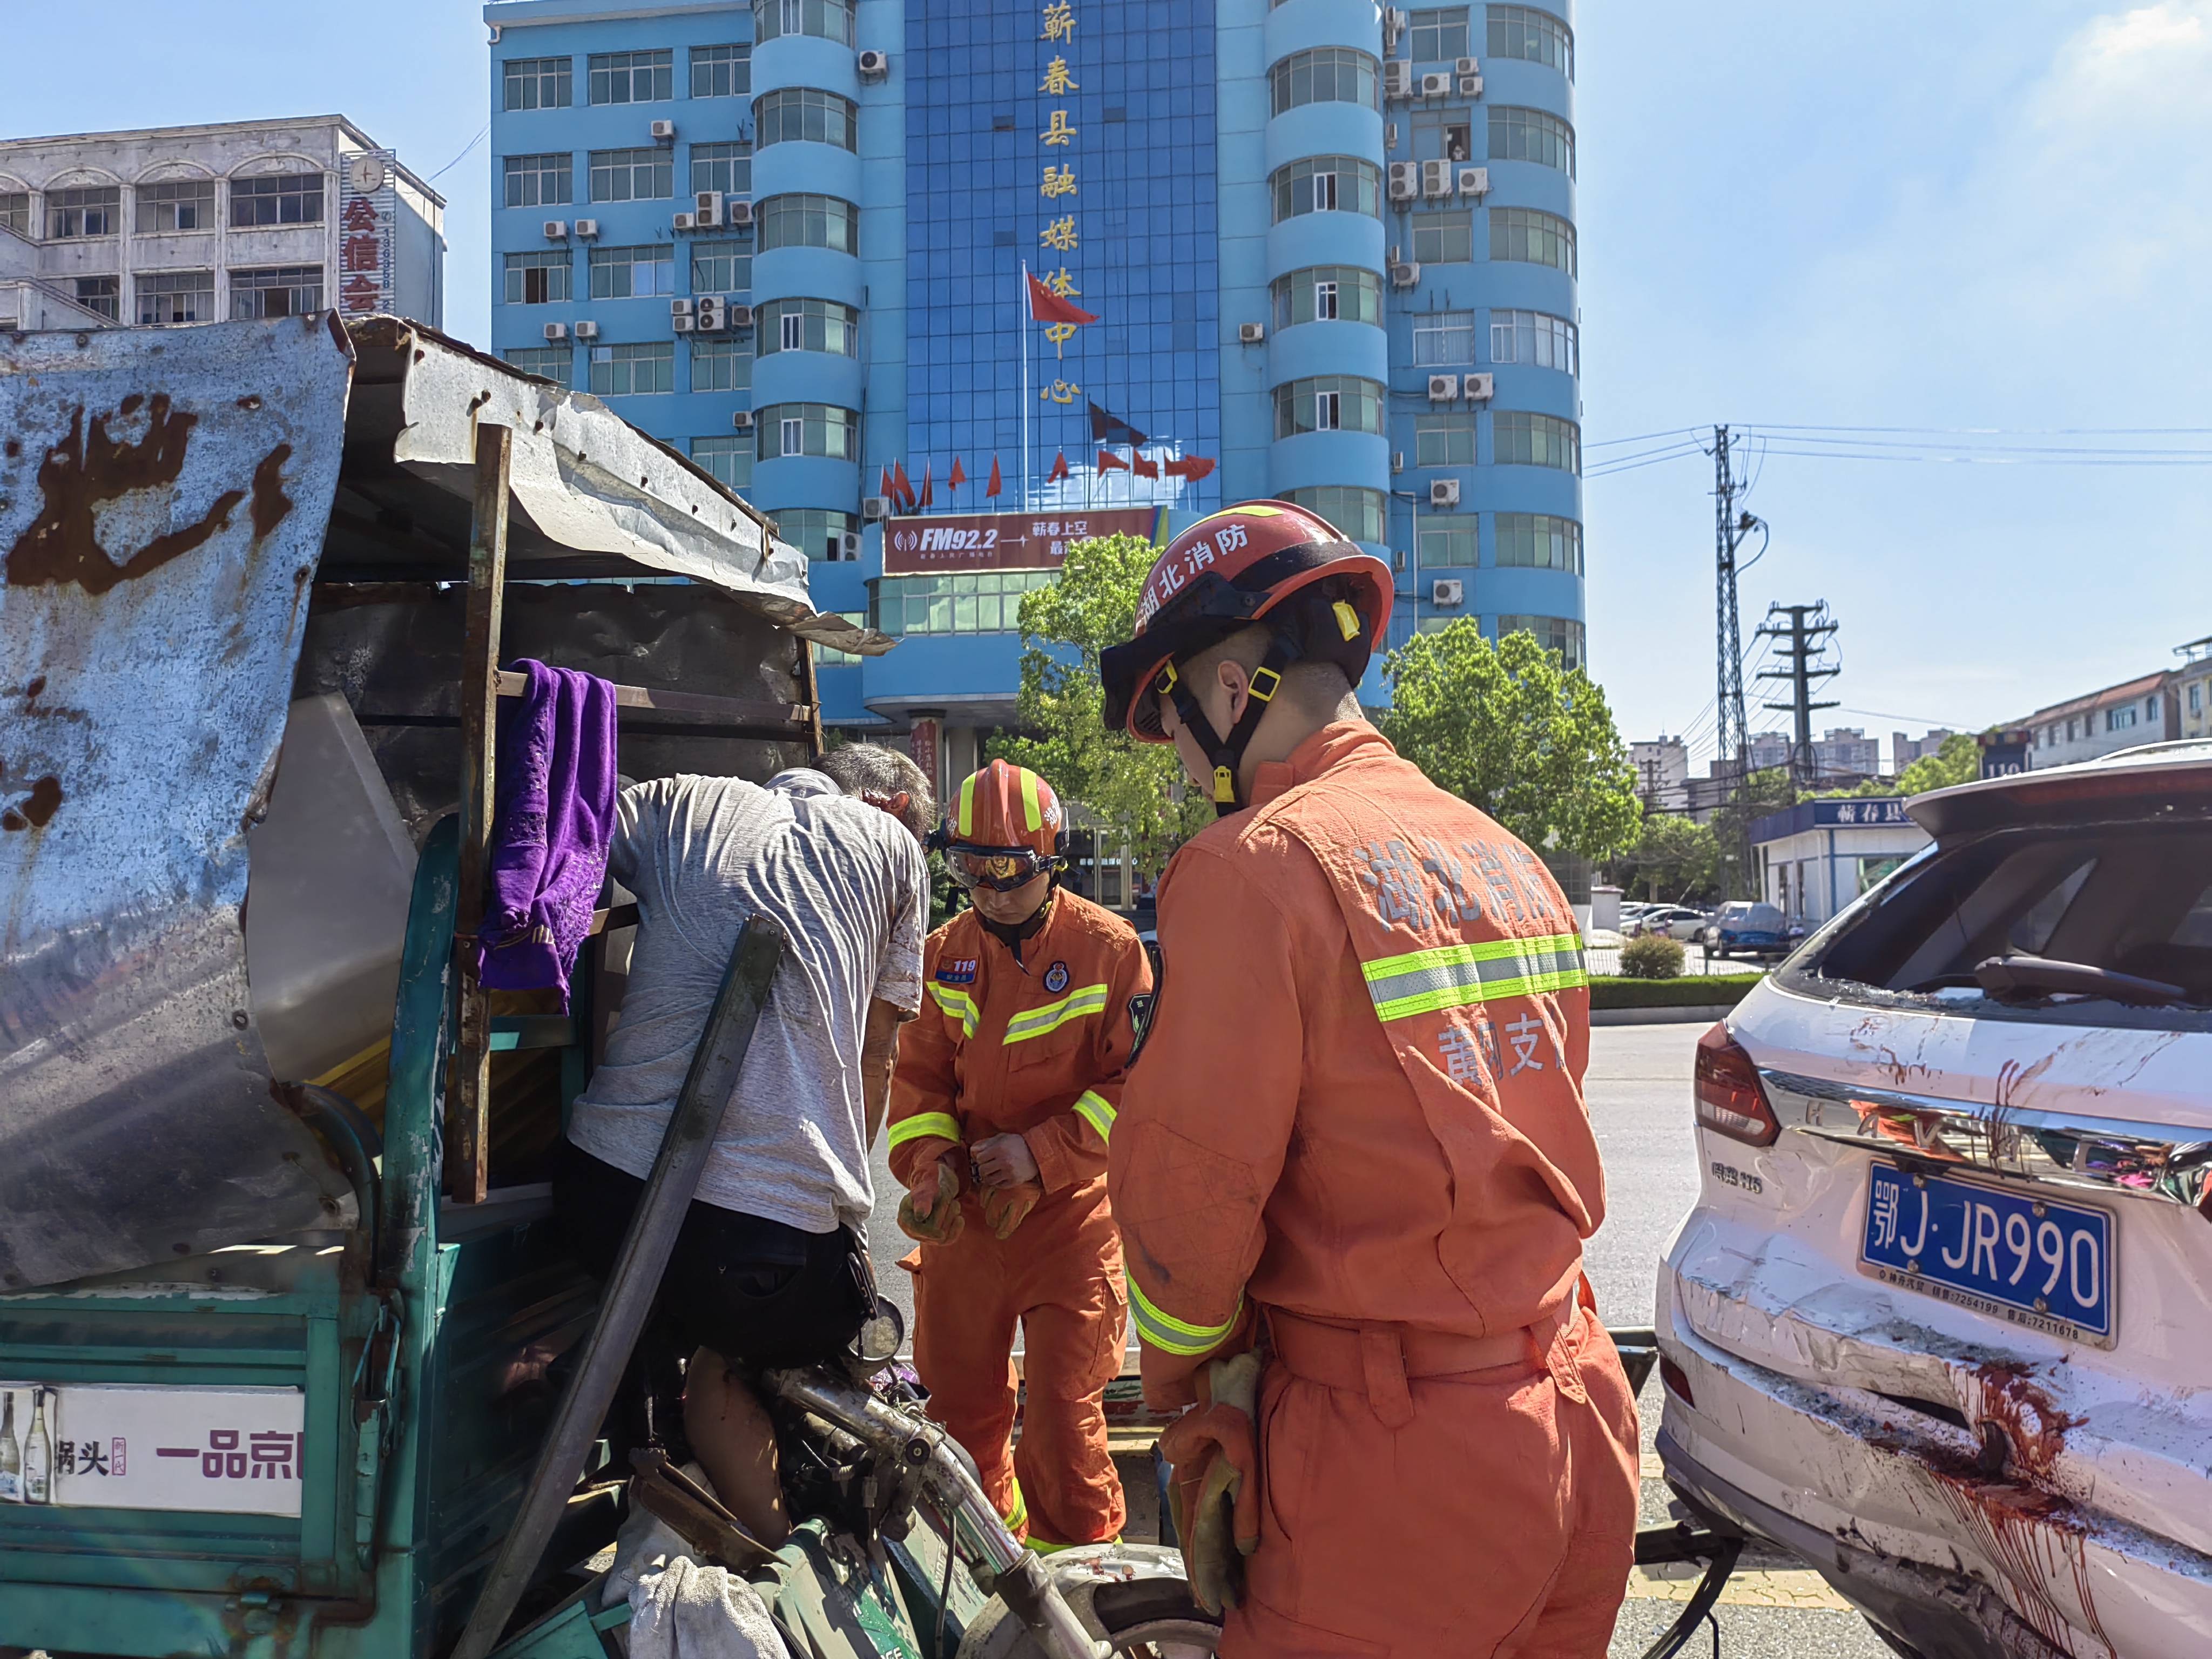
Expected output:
(1001, 1110)
(1357, 1144)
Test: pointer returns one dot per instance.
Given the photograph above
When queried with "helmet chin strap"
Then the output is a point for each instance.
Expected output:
(1226, 754)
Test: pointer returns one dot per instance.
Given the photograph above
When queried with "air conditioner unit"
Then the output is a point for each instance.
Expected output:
(587, 329)
(1475, 181)
(1447, 590)
(738, 213)
(707, 209)
(1481, 387)
(1435, 178)
(588, 226)
(875, 66)
(556, 331)
(1470, 86)
(663, 131)
(743, 420)
(683, 221)
(1251, 333)
(1435, 86)
(1397, 78)
(1389, 134)
(1467, 66)
(556, 229)
(1393, 19)
(1391, 258)
(1442, 388)
(1398, 559)
(1405, 275)
(1444, 492)
(679, 308)
(711, 314)
(1397, 460)
(1405, 180)
(849, 544)
(875, 508)
(683, 324)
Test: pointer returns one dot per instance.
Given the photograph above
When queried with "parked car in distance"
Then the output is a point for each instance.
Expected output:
(1674, 921)
(1746, 928)
(1937, 1322)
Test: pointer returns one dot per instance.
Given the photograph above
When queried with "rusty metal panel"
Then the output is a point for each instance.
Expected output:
(163, 495)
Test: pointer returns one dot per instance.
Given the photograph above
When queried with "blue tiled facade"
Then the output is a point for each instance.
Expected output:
(1185, 169)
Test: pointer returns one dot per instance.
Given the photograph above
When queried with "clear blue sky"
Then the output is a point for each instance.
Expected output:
(1984, 214)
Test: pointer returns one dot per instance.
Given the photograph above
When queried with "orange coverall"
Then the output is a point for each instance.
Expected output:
(1357, 1123)
(1040, 1053)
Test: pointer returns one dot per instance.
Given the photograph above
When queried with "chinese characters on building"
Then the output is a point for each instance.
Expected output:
(366, 204)
(1059, 185)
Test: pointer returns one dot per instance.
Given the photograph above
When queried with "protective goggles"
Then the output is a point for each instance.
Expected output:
(1001, 869)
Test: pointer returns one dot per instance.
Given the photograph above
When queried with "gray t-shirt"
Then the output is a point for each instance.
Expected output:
(848, 885)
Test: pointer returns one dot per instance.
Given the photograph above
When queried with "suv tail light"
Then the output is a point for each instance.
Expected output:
(1730, 1101)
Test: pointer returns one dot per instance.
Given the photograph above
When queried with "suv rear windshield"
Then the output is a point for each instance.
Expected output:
(2134, 899)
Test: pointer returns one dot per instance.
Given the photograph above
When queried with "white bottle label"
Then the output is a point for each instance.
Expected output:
(11, 1487)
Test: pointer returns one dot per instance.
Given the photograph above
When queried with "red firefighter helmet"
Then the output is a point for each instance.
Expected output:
(1321, 596)
(1004, 826)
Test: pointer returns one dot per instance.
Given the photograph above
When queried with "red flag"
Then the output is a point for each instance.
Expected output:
(1193, 467)
(956, 477)
(1110, 462)
(996, 483)
(903, 486)
(1059, 468)
(1143, 468)
(1045, 306)
(925, 491)
(883, 487)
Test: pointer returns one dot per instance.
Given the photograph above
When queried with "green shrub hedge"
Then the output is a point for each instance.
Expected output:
(1691, 991)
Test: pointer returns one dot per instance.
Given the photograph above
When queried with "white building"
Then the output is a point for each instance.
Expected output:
(2191, 690)
(2136, 711)
(1819, 855)
(237, 219)
(1846, 753)
(1662, 773)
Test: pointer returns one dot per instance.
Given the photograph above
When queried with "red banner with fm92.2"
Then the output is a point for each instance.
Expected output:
(1003, 541)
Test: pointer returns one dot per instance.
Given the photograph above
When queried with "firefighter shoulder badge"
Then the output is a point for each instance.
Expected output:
(1055, 978)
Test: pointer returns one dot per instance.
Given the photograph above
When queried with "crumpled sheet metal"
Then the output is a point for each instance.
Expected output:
(163, 495)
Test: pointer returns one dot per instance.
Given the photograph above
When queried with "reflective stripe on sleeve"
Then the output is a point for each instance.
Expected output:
(1036, 1022)
(1172, 1335)
(943, 1125)
(1032, 811)
(957, 1004)
(1454, 975)
(1097, 1111)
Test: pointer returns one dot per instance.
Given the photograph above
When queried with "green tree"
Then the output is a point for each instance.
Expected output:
(1134, 791)
(1762, 793)
(1675, 859)
(1506, 727)
(1959, 760)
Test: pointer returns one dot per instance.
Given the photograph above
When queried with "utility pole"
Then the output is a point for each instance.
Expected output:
(1805, 638)
(1730, 526)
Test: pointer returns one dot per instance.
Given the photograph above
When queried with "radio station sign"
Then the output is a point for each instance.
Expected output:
(1002, 541)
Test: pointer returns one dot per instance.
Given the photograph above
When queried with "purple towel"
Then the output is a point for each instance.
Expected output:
(553, 815)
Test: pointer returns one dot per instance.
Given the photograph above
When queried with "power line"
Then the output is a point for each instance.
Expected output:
(1614, 443)
(458, 160)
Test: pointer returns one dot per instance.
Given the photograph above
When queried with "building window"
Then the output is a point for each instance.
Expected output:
(1536, 239)
(1448, 544)
(1444, 135)
(1440, 34)
(1358, 513)
(808, 221)
(808, 325)
(278, 291)
(1327, 74)
(1443, 439)
(546, 180)
(1523, 440)
(721, 365)
(1539, 541)
(1323, 294)
(988, 602)
(101, 293)
(820, 429)
(721, 71)
(88, 211)
(1443, 336)
(729, 460)
(16, 211)
(187, 204)
(619, 371)
(1530, 135)
(2150, 708)
(820, 118)
(538, 279)
(1444, 239)
(830, 20)
(556, 363)
(721, 268)
(633, 273)
(1534, 337)
(1327, 184)
(2196, 696)
(536, 82)
(175, 296)
(276, 198)
(1328, 403)
(1553, 632)
(633, 175)
(632, 77)
(829, 656)
(818, 532)
(1533, 36)
(726, 167)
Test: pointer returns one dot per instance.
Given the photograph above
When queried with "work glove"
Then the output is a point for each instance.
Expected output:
(1005, 1208)
(1215, 1450)
(930, 1212)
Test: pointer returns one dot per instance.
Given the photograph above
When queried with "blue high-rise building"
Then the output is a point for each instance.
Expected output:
(1328, 248)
